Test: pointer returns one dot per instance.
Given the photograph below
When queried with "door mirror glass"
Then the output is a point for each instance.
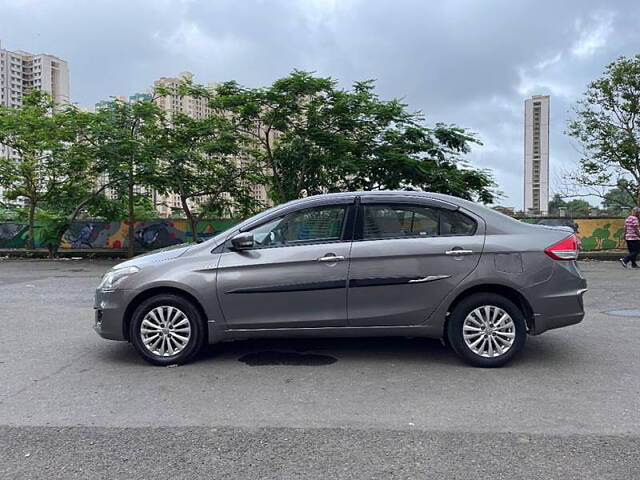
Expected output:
(242, 241)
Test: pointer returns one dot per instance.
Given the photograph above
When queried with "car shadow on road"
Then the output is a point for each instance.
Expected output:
(371, 349)
(543, 352)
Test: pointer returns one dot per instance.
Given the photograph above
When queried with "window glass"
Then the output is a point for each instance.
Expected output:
(393, 221)
(456, 223)
(310, 225)
(386, 221)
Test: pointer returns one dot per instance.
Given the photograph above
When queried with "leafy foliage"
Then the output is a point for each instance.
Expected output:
(572, 208)
(317, 138)
(208, 163)
(607, 124)
(54, 166)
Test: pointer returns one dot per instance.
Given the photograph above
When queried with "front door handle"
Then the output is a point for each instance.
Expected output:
(330, 257)
(457, 252)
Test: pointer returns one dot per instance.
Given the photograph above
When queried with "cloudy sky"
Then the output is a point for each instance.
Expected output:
(467, 62)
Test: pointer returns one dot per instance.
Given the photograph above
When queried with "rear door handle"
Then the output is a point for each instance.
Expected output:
(329, 257)
(458, 252)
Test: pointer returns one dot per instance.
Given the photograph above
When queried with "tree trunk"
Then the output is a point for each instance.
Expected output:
(192, 221)
(131, 218)
(54, 248)
(32, 215)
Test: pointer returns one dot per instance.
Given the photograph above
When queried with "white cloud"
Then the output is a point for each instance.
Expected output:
(548, 62)
(198, 45)
(592, 35)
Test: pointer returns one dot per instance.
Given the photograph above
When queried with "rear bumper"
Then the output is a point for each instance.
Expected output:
(109, 309)
(573, 303)
(558, 302)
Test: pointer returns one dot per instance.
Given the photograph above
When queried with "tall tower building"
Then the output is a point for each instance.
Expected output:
(536, 155)
(21, 72)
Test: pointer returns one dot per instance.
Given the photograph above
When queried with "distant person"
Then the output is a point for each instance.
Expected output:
(632, 236)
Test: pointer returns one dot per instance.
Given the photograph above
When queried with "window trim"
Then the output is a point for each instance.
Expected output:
(359, 227)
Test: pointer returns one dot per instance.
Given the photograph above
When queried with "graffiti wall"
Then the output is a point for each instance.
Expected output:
(99, 235)
(595, 233)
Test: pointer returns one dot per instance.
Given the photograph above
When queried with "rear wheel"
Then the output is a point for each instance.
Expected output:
(167, 329)
(486, 330)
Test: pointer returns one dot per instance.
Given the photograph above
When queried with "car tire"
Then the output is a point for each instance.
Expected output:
(167, 330)
(486, 330)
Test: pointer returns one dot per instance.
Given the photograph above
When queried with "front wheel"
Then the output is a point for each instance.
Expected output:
(486, 330)
(166, 330)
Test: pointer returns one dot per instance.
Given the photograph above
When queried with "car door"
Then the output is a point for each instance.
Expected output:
(295, 275)
(407, 255)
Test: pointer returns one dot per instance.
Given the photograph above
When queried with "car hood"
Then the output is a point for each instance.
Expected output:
(161, 255)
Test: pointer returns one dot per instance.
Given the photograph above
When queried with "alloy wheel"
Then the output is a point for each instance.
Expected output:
(489, 331)
(165, 331)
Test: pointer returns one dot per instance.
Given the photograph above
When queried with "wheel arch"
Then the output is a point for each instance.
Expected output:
(152, 292)
(508, 292)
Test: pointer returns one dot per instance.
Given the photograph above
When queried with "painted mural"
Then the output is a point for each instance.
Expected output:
(595, 233)
(101, 235)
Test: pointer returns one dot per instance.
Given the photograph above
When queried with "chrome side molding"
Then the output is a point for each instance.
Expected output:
(430, 278)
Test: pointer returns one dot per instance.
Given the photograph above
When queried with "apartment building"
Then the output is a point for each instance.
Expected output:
(536, 155)
(173, 103)
(21, 72)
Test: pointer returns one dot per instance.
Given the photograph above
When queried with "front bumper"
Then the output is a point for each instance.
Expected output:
(109, 313)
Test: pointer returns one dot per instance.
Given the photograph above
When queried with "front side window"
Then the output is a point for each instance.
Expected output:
(398, 221)
(322, 224)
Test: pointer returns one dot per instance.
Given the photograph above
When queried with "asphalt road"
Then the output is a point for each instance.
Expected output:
(75, 406)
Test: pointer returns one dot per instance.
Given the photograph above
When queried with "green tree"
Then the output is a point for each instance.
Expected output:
(128, 138)
(207, 162)
(315, 137)
(9, 212)
(34, 133)
(55, 164)
(107, 208)
(578, 208)
(618, 201)
(607, 125)
(556, 203)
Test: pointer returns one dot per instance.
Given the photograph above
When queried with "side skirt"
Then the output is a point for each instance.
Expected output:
(218, 334)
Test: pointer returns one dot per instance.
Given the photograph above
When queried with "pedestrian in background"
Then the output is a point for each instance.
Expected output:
(632, 236)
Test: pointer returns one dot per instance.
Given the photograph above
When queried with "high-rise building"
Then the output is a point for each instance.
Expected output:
(536, 155)
(195, 107)
(21, 72)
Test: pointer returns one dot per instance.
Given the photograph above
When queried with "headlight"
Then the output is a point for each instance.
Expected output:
(113, 277)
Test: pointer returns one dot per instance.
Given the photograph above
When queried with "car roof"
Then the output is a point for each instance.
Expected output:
(498, 221)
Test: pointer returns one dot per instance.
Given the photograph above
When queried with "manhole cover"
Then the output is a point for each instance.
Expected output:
(259, 359)
(624, 313)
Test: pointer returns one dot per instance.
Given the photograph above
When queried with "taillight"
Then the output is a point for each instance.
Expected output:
(566, 249)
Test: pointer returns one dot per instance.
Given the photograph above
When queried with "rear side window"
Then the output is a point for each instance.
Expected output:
(456, 223)
(397, 221)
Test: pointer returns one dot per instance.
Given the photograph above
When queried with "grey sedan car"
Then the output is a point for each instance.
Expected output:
(351, 264)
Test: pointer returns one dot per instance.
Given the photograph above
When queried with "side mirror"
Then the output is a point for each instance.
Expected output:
(242, 241)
